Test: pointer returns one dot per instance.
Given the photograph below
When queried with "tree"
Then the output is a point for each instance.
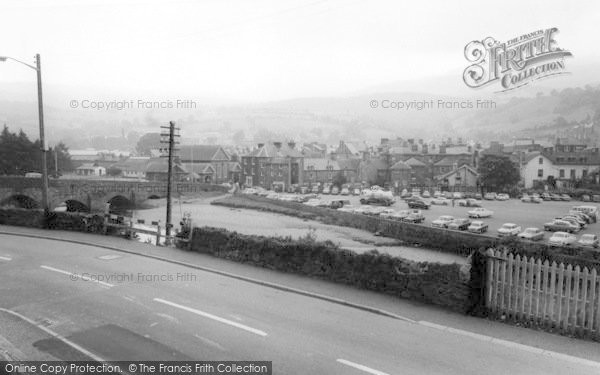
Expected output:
(498, 172)
(59, 157)
(339, 179)
(113, 171)
(148, 142)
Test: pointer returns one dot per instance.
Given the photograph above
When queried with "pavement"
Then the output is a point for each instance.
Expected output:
(68, 295)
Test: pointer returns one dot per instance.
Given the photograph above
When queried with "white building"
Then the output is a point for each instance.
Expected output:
(538, 166)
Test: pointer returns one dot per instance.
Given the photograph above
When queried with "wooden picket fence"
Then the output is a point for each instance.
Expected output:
(562, 297)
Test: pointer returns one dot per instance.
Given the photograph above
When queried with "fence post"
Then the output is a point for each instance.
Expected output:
(158, 235)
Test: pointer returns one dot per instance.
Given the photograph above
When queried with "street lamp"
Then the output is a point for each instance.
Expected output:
(38, 69)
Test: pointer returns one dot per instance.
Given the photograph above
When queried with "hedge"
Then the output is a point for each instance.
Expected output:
(52, 220)
(434, 283)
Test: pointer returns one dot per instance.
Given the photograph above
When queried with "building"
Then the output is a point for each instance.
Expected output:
(320, 170)
(273, 165)
(400, 175)
(158, 168)
(225, 168)
(350, 150)
(463, 178)
(562, 165)
(134, 167)
(90, 169)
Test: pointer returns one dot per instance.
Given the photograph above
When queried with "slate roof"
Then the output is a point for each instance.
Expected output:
(200, 152)
(269, 150)
(400, 166)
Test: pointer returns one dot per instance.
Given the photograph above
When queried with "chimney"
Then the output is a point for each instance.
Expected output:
(442, 149)
(261, 145)
(292, 144)
(277, 144)
(425, 149)
(411, 141)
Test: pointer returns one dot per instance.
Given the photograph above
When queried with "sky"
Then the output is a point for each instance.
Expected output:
(267, 49)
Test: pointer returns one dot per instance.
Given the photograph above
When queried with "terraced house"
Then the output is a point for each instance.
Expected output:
(273, 165)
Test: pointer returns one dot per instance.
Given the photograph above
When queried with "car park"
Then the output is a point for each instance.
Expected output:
(477, 226)
(470, 202)
(589, 240)
(562, 239)
(480, 212)
(532, 234)
(418, 203)
(442, 221)
(558, 225)
(459, 224)
(509, 229)
(442, 201)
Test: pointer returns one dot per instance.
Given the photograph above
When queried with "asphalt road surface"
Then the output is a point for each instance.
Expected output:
(117, 306)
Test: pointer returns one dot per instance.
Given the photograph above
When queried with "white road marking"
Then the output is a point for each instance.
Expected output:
(513, 345)
(213, 317)
(56, 336)
(210, 343)
(8, 259)
(74, 276)
(361, 367)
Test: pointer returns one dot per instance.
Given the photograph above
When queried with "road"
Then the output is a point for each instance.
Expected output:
(117, 306)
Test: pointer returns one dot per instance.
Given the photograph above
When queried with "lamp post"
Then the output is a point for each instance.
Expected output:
(38, 69)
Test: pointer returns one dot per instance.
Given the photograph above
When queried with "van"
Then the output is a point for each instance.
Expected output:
(591, 211)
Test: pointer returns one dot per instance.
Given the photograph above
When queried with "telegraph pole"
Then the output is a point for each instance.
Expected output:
(38, 63)
(171, 143)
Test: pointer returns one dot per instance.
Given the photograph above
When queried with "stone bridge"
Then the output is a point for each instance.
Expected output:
(93, 194)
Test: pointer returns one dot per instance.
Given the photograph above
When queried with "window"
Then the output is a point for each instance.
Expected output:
(540, 161)
(572, 173)
(584, 173)
(540, 173)
(561, 173)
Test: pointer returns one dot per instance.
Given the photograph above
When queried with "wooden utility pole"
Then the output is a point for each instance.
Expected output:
(171, 149)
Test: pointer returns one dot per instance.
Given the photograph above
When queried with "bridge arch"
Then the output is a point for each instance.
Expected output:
(119, 204)
(74, 205)
(20, 201)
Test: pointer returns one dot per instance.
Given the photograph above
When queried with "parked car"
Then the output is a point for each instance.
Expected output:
(558, 225)
(315, 189)
(478, 196)
(586, 198)
(440, 201)
(418, 203)
(526, 198)
(502, 197)
(480, 212)
(405, 194)
(509, 229)
(565, 197)
(356, 191)
(470, 202)
(555, 197)
(477, 226)
(489, 196)
(437, 194)
(576, 219)
(532, 234)
(335, 190)
(448, 195)
(415, 216)
(562, 239)
(326, 190)
(313, 202)
(459, 224)
(426, 194)
(590, 240)
(591, 211)
(457, 195)
(345, 191)
(398, 215)
(531, 199)
(587, 218)
(442, 221)
(546, 196)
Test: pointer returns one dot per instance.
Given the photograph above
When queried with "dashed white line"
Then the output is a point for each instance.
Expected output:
(56, 335)
(7, 259)
(361, 367)
(74, 276)
(213, 317)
